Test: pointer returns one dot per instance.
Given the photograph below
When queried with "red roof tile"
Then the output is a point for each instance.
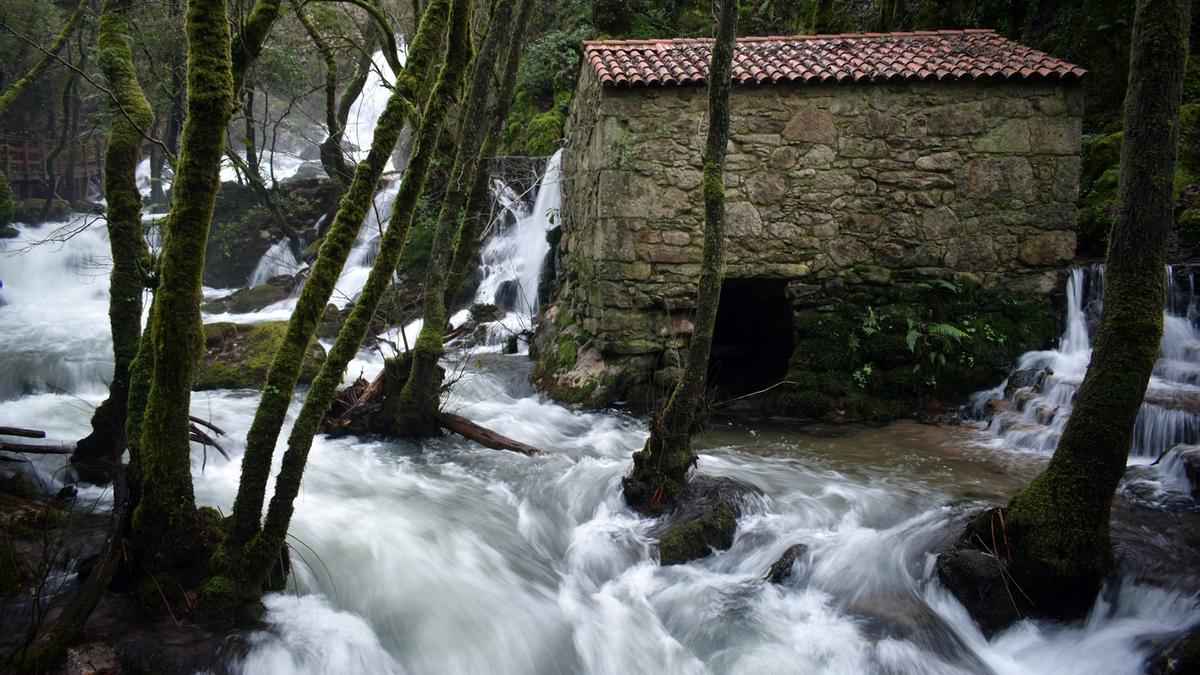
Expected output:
(860, 57)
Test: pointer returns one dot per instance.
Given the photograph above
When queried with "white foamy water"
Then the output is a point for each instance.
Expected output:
(1171, 413)
(280, 259)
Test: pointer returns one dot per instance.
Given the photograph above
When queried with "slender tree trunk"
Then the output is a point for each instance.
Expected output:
(475, 214)
(96, 457)
(1058, 526)
(16, 88)
(164, 522)
(332, 159)
(269, 542)
(285, 367)
(414, 411)
(660, 470)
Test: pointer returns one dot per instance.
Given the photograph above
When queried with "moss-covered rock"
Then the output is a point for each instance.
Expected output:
(30, 210)
(704, 520)
(252, 299)
(238, 356)
(697, 537)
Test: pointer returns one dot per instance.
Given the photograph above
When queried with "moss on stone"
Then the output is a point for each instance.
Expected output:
(238, 356)
(698, 537)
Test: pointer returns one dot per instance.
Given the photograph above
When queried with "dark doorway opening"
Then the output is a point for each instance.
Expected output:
(752, 343)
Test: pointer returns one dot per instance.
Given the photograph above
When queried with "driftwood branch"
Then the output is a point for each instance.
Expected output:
(23, 433)
(209, 425)
(29, 449)
(482, 435)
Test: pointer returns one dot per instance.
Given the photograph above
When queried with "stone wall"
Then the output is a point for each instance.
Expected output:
(828, 186)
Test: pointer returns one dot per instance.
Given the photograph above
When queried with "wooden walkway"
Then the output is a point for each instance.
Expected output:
(23, 161)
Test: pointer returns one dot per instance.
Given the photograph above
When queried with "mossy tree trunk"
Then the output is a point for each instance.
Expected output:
(331, 258)
(96, 456)
(659, 476)
(263, 549)
(1058, 526)
(475, 213)
(164, 522)
(414, 411)
(10, 94)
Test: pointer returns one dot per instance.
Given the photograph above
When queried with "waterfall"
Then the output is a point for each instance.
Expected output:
(54, 309)
(1034, 415)
(278, 260)
(512, 258)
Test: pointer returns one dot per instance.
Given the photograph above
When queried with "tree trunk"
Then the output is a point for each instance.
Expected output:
(332, 159)
(1058, 526)
(414, 411)
(164, 522)
(475, 214)
(285, 367)
(660, 470)
(263, 548)
(96, 456)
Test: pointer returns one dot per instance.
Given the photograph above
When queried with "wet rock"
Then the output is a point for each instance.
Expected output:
(1189, 455)
(238, 356)
(482, 312)
(9, 232)
(256, 298)
(1178, 657)
(512, 344)
(508, 294)
(30, 211)
(1032, 378)
(704, 521)
(782, 569)
(93, 658)
(977, 580)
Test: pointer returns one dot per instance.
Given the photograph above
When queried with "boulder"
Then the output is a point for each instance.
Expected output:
(704, 521)
(781, 569)
(1032, 378)
(976, 579)
(255, 298)
(238, 356)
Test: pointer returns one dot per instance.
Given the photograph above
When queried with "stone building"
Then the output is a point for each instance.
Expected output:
(853, 160)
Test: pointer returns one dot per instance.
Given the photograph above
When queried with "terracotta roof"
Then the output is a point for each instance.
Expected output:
(859, 57)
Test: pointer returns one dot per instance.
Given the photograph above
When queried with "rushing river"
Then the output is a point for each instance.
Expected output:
(445, 557)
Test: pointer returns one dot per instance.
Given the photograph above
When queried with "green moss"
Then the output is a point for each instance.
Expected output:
(568, 355)
(698, 537)
(238, 356)
(883, 350)
(542, 134)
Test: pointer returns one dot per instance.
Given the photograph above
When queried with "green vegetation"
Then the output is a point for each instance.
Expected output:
(884, 352)
(237, 357)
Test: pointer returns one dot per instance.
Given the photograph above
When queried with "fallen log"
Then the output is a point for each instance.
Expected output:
(482, 435)
(23, 433)
(29, 449)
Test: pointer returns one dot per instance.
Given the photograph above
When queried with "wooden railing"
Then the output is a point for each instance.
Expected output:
(23, 161)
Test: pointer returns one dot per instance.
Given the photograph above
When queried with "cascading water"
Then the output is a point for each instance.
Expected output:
(278, 260)
(1035, 413)
(512, 257)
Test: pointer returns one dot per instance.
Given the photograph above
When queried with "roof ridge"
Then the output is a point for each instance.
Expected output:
(800, 37)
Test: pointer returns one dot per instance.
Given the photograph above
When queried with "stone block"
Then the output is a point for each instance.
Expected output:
(811, 125)
(1047, 249)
